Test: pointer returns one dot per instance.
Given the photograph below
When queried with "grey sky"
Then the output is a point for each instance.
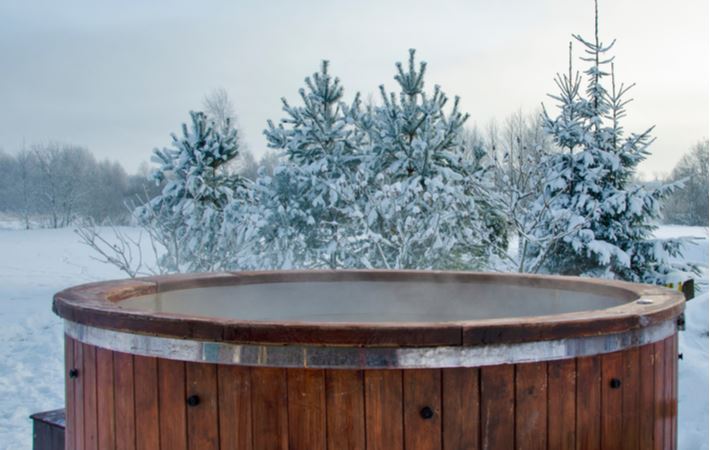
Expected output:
(119, 77)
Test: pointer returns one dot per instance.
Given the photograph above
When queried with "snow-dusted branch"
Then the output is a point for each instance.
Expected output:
(120, 249)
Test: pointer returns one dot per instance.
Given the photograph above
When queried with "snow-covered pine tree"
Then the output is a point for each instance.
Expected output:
(307, 207)
(187, 216)
(595, 185)
(421, 212)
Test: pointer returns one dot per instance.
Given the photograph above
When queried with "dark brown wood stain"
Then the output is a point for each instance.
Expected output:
(122, 401)
(95, 304)
(460, 408)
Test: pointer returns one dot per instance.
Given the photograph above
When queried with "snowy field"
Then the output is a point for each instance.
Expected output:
(34, 264)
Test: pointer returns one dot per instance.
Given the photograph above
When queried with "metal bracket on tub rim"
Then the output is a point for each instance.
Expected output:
(323, 357)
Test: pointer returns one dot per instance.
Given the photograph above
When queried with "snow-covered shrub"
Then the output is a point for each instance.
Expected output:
(385, 186)
(516, 160)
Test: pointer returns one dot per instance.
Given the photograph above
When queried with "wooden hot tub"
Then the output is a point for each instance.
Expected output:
(376, 360)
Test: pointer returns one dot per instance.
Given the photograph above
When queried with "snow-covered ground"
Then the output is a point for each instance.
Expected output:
(693, 380)
(34, 264)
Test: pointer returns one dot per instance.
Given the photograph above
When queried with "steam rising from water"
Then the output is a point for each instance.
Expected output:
(368, 302)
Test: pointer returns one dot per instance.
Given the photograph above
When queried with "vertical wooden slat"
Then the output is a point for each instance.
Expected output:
(145, 370)
(588, 403)
(70, 387)
(561, 404)
(41, 436)
(383, 410)
(669, 357)
(674, 428)
(57, 439)
(460, 408)
(90, 407)
(612, 400)
(345, 409)
(659, 371)
(203, 418)
(124, 400)
(306, 409)
(422, 389)
(104, 399)
(531, 406)
(497, 407)
(172, 397)
(269, 409)
(234, 407)
(339, 406)
(646, 397)
(79, 417)
(631, 390)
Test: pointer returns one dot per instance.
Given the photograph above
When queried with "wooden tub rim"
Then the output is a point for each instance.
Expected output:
(94, 305)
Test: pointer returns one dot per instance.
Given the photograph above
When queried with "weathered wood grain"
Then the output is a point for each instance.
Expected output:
(588, 403)
(668, 376)
(69, 393)
(345, 409)
(531, 397)
(145, 370)
(125, 401)
(498, 407)
(306, 409)
(91, 429)
(631, 392)
(135, 402)
(269, 400)
(106, 414)
(383, 410)
(422, 389)
(461, 406)
(79, 393)
(235, 407)
(562, 393)
(612, 385)
(647, 386)
(659, 373)
(172, 404)
(203, 417)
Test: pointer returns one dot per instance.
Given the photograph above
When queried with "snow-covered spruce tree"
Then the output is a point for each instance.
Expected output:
(596, 166)
(187, 216)
(307, 207)
(421, 212)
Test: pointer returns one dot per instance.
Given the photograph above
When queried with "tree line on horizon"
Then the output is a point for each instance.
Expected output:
(56, 185)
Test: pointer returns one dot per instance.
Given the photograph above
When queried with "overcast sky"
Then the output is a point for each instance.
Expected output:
(119, 77)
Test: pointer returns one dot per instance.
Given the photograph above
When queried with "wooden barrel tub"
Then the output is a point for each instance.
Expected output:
(376, 360)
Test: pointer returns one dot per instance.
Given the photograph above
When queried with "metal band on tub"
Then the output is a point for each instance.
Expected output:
(325, 357)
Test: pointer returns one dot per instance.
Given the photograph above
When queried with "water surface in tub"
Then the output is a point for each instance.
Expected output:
(370, 302)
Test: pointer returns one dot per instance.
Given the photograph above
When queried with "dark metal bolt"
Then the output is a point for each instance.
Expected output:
(680, 356)
(426, 413)
(193, 400)
(73, 373)
(615, 383)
